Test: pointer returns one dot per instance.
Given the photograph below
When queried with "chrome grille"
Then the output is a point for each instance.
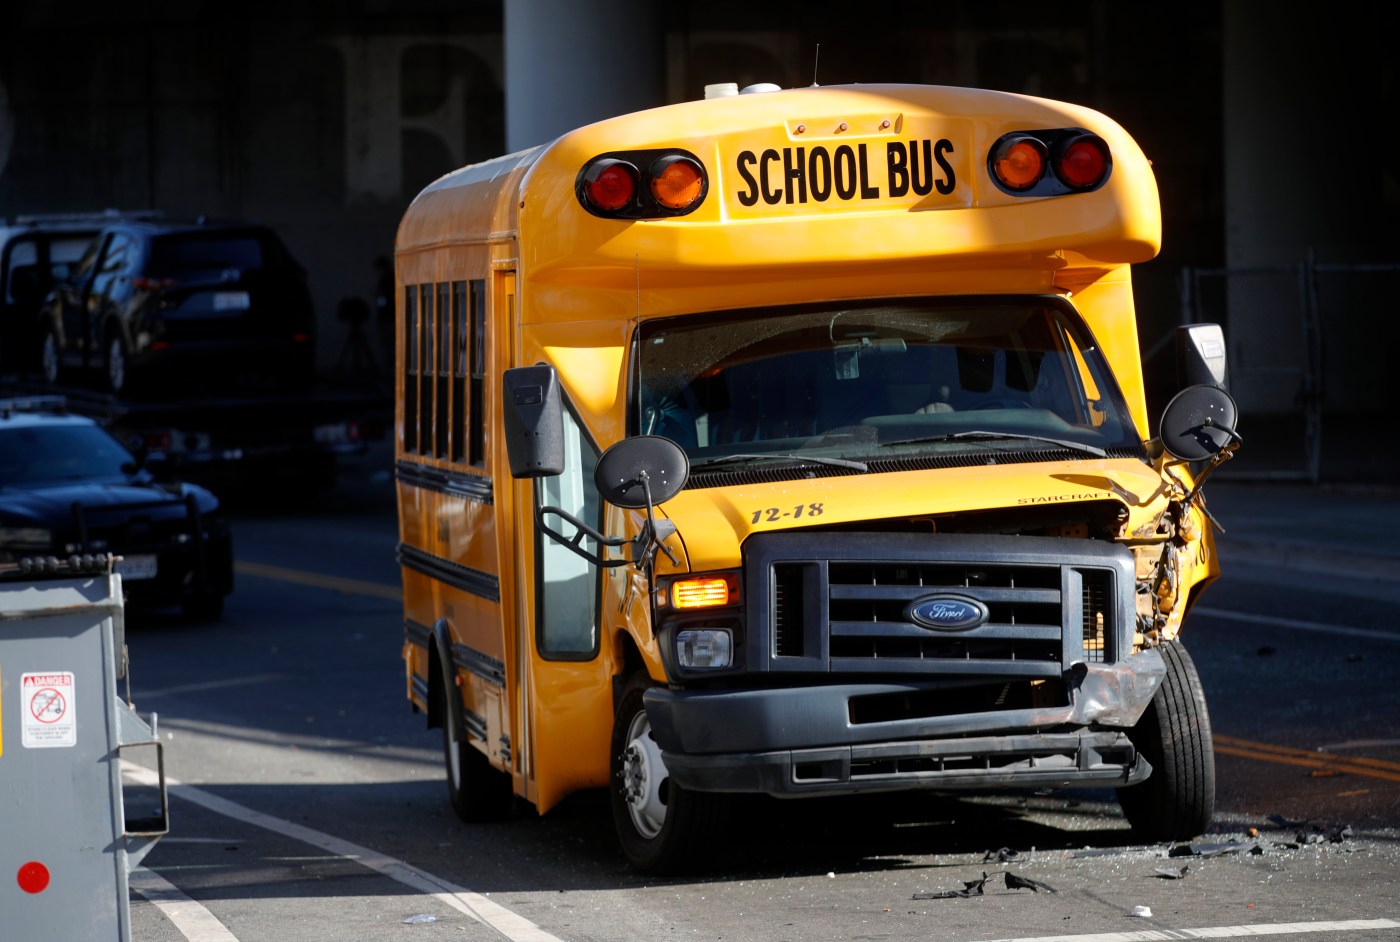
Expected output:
(841, 603)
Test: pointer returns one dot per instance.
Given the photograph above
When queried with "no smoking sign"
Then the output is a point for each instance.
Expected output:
(48, 716)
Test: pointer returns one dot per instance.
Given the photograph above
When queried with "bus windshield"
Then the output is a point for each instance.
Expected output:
(879, 380)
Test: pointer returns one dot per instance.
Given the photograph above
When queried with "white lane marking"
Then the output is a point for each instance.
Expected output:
(217, 684)
(1294, 623)
(511, 925)
(194, 922)
(1217, 932)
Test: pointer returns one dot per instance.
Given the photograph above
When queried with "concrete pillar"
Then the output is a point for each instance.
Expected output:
(568, 64)
(1306, 113)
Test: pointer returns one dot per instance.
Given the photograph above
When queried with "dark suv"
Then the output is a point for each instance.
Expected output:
(222, 302)
(38, 252)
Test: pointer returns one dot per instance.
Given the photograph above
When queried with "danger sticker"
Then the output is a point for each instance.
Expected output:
(48, 716)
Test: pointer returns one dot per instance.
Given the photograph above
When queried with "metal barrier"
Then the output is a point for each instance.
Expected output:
(71, 831)
(1291, 364)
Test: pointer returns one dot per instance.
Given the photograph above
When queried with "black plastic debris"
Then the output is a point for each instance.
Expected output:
(1172, 873)
(970, 888)
(1343, 833)
(979, 887)
(1205, 850)
(1003, 855)
(1018, 882)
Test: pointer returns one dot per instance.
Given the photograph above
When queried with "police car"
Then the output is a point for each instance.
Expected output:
(68, 489)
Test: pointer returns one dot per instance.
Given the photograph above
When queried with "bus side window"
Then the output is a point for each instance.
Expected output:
(425, 362)
(410, 372)
(567, 608)
(443, 334)
(459, 372)
(476, 455)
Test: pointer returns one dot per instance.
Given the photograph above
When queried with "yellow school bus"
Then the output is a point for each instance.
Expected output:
(795, 442)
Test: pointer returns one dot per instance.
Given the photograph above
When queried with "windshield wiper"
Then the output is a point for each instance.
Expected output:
(980, 434)
(813, 459)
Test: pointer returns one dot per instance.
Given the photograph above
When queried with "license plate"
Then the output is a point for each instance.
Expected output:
(141, 566)
(231, 301)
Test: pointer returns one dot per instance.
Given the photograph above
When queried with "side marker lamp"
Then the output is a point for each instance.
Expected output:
(704, 592)
(705, 648)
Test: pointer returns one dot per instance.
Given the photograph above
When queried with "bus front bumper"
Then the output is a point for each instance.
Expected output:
(797, 741)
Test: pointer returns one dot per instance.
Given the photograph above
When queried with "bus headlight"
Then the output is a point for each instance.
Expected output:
(705, 648)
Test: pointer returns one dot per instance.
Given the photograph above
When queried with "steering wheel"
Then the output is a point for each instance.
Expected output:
(998, 402)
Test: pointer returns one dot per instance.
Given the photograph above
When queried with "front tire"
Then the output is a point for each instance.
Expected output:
(115, 364)
(1177, 802)
(662, 827)
(50, 356)
(478, 791)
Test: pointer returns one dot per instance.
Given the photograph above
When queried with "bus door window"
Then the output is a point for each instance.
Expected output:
(566, 613)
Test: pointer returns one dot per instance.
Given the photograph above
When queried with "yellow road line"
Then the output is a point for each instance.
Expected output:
(349, 586)
(1286, 755)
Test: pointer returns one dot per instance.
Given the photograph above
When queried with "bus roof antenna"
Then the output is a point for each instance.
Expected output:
(816, 60)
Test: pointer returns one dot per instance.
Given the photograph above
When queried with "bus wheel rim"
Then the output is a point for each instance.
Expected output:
(644, 778)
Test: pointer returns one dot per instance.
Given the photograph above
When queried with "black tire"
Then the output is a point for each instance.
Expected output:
(115, 366)
(1177, 802)
(50, 356)
(662, 827)
(478, 791)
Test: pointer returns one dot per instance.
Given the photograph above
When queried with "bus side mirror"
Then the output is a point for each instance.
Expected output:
(1199, 423)
(1200, 356)
(534, 421)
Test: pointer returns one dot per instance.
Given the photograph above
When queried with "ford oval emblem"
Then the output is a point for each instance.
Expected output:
(948, 612)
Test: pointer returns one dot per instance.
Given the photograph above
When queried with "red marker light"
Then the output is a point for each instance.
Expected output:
(610, 185)
(1019, 162)
(1082, 163)
(33, 877)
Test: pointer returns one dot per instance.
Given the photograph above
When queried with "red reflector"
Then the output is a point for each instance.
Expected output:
(1083, 163)
(33, 877)
(610, 185)
(300, 338)
(160, 344)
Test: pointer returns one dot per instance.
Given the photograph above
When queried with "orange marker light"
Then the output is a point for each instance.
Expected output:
(1019, 162)
(704, 591)
(677, 181)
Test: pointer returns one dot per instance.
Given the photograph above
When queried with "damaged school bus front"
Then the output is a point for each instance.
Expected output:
(919, 543)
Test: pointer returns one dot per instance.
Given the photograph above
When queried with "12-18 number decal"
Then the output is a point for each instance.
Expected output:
(774, 514)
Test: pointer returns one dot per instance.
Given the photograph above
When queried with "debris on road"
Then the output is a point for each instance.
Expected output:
(978, 887)
(1142, 912)
(1173, 873)
(1017, 882)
